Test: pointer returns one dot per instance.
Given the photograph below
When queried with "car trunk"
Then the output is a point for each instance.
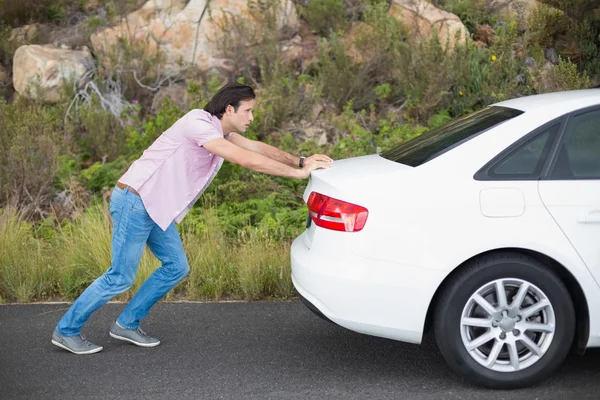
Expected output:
(350, 180)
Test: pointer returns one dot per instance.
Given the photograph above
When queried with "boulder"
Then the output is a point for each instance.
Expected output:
(48, 69)
(423, 19)
(172, 28)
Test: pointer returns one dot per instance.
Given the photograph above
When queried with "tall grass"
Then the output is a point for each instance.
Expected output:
(250, 267)
(25, 271)
(85, 254)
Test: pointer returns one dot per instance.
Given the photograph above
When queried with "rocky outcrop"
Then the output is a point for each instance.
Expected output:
(41, 72)
(423, 19)
(185, 33)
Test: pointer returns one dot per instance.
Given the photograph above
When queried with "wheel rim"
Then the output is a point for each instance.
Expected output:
(507, 325)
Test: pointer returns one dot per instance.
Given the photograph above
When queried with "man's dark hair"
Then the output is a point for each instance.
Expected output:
(230, 94)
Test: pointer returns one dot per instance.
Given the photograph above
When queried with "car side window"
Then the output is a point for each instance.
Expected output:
(578, 156)
(527, 160)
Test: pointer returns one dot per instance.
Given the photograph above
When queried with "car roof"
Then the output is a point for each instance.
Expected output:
(565, 101)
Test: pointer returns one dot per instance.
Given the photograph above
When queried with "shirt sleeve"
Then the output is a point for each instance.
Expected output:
(203, 131)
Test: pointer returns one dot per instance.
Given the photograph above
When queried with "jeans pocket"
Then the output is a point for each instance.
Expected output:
(137, 206)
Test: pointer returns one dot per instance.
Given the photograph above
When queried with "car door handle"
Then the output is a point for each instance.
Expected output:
(592, 217)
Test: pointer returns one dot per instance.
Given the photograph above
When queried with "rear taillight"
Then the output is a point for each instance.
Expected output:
(335, 214)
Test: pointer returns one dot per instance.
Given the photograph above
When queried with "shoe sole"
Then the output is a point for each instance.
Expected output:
(133, 341)
(62, 346)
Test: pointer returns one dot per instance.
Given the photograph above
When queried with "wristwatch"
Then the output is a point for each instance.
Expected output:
(301, 163)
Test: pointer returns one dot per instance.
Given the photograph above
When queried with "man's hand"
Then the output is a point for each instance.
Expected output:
(317, 157)
(314, 164)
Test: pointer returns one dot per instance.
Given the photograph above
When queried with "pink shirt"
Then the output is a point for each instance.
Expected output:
(176, 169)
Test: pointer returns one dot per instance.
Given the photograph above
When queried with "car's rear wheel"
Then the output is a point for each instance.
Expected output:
(505, 321)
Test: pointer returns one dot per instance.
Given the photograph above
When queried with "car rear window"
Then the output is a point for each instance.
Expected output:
(437, 141)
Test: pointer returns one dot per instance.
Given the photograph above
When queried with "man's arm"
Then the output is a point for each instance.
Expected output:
(266, 150)
(257, 162)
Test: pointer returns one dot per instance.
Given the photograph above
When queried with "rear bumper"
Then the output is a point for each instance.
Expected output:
(313, 308)
(363, 295)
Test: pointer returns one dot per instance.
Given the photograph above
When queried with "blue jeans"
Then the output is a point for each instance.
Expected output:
(132, 230)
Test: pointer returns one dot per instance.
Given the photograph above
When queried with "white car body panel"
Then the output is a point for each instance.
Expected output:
(382, 280)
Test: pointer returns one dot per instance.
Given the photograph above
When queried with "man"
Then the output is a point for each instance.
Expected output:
(155, 193)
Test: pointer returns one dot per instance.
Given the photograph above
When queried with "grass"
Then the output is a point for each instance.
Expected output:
(25, 273)
(251, 267)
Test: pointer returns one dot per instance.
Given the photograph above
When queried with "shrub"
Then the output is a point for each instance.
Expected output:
(31, 143)
(325, 16)
(252, 43)
(19, 12)
(97, 133)
(352, 66)
(100, 176)
(563, 76)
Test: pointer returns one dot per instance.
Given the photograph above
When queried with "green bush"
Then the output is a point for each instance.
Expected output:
(32, 143)
(99, 176)
(97, 134)
(563, 76)
(325, 16)
(253, 44)
(353, 66)
(20, 12)
(140, 136)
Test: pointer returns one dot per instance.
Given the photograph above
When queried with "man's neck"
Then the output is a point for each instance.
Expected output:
(226, 128)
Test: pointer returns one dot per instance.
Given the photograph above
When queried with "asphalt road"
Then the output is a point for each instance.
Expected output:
(242, 351)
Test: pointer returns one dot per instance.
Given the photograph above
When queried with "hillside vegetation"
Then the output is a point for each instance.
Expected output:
(352, 78)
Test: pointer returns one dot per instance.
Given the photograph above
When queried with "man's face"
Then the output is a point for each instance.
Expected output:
(241, 119)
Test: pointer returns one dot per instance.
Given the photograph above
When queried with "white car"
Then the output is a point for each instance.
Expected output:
(486, 230)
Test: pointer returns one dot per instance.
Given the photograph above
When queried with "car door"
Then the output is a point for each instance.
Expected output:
(571, 188)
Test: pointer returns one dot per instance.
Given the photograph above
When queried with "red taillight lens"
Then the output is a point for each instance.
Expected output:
(335, 214)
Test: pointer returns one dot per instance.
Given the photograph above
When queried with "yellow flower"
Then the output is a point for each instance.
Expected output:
(493, 58)
(460, 93)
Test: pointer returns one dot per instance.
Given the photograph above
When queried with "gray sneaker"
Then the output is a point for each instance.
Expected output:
(75, 344)
(135, 336)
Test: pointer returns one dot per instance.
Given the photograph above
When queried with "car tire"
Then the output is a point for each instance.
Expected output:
(493, 364)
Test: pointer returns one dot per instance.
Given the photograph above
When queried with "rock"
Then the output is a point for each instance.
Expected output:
(319, 130)
(178, 93)
(551, 55)
(520, 10)
(71, 37)
(171, 27)
(520, 78)
(312, 131)
(323, 140)
(27, 34)
(546, 78)
(316, 110)
(530, 62)
(302, 49)
(422, 18)
(49, 68)
(316, 132)
(67, 37)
